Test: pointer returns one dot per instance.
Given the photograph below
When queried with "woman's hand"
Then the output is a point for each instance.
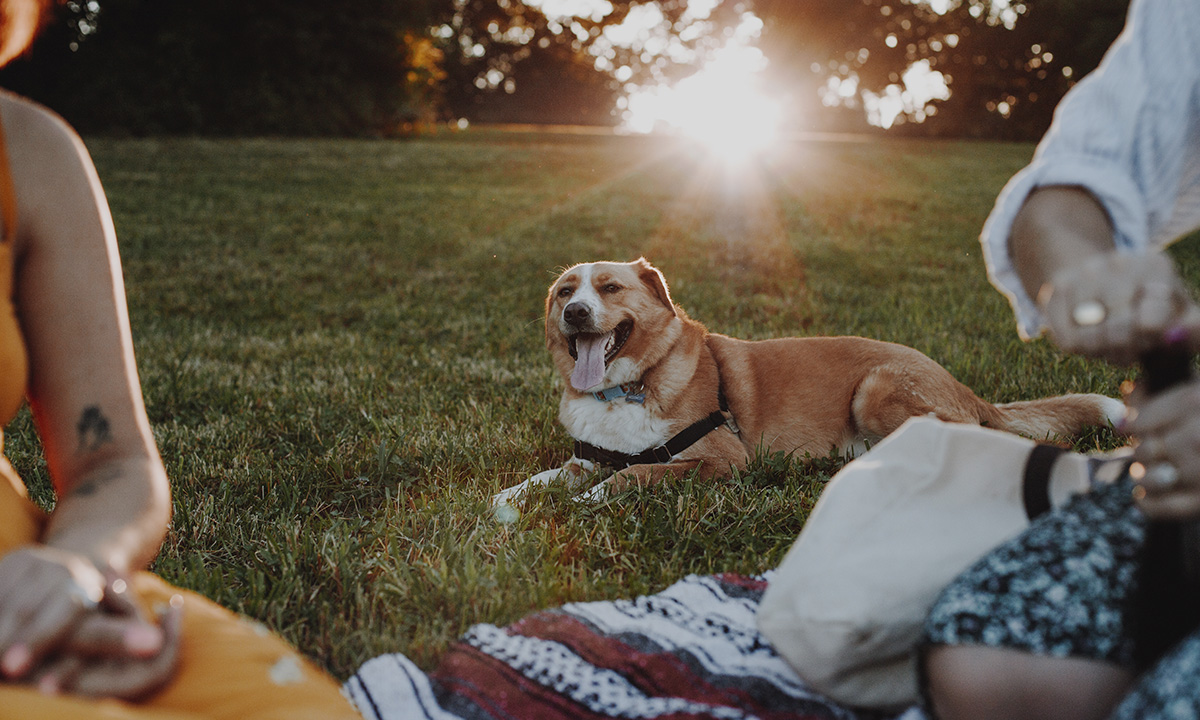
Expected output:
(1167, 426)
(68, 628)
(44, 594)
(1118, 307)
(116, 653)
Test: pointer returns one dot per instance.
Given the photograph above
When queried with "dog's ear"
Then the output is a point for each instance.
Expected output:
(655, 281)
(550, 295)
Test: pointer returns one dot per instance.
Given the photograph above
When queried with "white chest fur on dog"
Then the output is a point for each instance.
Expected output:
(617, 425)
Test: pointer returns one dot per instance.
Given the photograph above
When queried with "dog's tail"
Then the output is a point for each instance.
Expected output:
(1062, 415)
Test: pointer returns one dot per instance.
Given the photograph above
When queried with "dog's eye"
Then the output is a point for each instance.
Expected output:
(565, 291)
(612, 288)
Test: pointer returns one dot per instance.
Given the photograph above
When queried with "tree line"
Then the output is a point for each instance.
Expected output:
(385, 67)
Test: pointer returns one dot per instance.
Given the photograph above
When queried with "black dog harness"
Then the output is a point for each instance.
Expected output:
(686, 438)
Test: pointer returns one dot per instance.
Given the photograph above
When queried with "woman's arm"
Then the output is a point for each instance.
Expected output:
(113, 504)
(1062, 249)
(1063, 252)
(1056, 229)
(1128, 136)
(83, 386)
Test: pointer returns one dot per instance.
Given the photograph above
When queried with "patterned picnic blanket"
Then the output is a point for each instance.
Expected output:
(690, 651)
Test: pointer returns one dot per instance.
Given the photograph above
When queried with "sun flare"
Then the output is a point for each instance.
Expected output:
(723, 106)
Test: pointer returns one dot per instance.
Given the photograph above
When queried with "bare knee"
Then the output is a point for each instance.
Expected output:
(971, 682)
(982, 683)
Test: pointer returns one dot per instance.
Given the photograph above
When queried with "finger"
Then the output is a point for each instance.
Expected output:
(20, 597)
(1056, 305)
(1090, 320)
(1165, 478)
(172, 628)
(117, 597)
(15, 659)
(1170, 506)
(1178, 447)
(1068, 333)
(48, 590)
(123, 630)
(1168, 475)
(1117, 332)
(51, 678)
(1157, 307)
(1169, 411)
(103, 635)
(133, 679)
(1187, 330)
(44, 630)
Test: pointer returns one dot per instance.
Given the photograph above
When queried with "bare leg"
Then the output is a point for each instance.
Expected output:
(982, 683)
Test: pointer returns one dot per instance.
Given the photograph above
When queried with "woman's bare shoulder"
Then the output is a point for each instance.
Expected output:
(26, 121)
(46, 157)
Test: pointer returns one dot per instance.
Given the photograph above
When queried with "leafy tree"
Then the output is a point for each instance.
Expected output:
(379, 66)
(1006, 62)
(506, 62)
(229, 66)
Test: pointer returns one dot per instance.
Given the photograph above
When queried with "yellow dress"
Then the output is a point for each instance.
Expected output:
(230, 667)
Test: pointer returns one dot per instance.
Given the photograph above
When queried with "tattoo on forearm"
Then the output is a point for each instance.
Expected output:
(94, 431)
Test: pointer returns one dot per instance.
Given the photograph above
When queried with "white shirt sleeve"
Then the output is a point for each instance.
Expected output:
(1129, 133)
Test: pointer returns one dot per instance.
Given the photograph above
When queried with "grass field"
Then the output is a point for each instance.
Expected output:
(341, 348)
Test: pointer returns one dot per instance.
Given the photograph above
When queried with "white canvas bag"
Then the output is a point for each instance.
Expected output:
(890, 530)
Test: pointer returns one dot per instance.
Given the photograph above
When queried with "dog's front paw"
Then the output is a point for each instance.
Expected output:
(597, 493)
(505, 514)
(573, 473)
(505, 497)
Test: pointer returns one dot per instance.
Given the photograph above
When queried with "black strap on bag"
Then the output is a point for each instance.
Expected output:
(1036, 485)
(1165, 606)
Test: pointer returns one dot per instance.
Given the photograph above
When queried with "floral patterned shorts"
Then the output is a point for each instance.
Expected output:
(1059, 589)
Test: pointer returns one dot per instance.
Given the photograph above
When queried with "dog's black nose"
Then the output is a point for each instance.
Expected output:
(576, 314)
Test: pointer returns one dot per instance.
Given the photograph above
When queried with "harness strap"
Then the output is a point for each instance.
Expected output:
(686, 438)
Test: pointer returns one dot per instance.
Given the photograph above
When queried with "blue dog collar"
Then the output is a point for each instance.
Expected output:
(632, 392)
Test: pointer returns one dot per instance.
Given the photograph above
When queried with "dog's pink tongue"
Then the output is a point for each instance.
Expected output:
(589, 364)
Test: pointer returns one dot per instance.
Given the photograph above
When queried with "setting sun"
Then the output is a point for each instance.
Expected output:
(723, 106)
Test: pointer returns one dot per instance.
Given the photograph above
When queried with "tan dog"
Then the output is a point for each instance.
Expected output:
(651, 391)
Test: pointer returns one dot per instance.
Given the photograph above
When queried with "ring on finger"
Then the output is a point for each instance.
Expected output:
(1162, 475)
(1089, 313)
(118, 586)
